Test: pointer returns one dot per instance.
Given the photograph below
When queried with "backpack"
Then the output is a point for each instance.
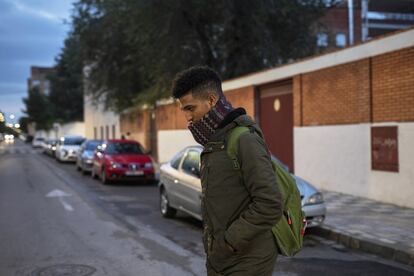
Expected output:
(290, 229)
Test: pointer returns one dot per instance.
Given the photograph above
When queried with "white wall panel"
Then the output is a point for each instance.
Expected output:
(338, 158)
(172, 141)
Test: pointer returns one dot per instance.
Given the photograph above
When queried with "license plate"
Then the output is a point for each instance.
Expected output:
(135, 173)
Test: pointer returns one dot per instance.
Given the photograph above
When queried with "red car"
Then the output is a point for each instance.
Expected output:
(122, 160)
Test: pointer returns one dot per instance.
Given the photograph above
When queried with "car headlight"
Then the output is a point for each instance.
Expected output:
(314, 199)
(115, 165)
(148, 165)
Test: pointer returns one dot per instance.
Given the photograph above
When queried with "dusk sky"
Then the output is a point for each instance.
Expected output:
(31, 33)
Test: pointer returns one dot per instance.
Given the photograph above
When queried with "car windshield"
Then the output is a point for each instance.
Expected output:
(73, 141)
(123, 148)
(92, 145)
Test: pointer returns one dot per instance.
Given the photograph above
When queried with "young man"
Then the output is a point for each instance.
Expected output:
(240, 200)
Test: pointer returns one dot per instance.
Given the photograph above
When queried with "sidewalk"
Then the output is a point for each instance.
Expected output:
(370, 226)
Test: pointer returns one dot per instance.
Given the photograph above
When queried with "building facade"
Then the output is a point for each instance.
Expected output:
(343, 120)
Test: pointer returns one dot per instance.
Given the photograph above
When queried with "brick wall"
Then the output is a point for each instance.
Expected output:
(336, 95)
(380, 89)
(170, 117)
(393, 86)
(137, 123)
(242, 97)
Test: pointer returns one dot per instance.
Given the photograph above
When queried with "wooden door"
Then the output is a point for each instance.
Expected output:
(276, 120)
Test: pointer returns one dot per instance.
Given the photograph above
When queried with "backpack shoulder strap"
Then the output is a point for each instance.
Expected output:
(231, 145)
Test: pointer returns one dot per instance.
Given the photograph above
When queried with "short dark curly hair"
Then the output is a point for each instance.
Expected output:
(201, 81)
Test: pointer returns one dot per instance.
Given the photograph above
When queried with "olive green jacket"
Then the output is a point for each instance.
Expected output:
(241, 202)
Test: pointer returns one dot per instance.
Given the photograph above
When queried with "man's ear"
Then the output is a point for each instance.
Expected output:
(212, 99)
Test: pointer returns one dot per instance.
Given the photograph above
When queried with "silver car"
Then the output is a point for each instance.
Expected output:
(180, 188)
(84, 158)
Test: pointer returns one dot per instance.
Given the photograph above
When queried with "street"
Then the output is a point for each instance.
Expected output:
(56, 221)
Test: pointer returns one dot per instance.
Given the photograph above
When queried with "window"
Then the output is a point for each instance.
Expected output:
(113, 132)
(75, 141)
(95, 133)
(191, 163)
(124, 148)
(102, 134)
(340, 40)
(92, 145)
(175, 161)
(322, 40)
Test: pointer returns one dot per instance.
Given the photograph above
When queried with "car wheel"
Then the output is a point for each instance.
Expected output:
(166, 210)
(104, 179)
(78, 168)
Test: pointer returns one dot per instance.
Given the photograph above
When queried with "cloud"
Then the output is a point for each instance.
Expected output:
(50, 10)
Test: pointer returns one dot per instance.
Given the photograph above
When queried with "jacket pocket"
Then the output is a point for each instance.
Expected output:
(221, 255)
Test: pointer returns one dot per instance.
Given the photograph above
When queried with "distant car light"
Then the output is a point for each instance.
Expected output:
(148, 165)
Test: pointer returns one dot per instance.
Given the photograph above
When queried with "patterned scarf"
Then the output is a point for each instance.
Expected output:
(204, 128)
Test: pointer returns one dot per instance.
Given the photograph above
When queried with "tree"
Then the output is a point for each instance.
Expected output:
(66, 87)
(2, 122)
(23, 122)
(38, 109)
(136, 47)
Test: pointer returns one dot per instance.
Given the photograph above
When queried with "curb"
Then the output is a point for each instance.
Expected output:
(367, 246)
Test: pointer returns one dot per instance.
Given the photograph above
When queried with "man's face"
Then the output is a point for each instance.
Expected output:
(195, 108)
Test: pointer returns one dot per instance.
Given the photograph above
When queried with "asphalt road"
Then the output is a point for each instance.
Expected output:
(56, 221)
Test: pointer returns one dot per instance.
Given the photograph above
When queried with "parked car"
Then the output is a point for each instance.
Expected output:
(37, 142)
(123, 160)
(180, 188)
(50, 147)
(84, 158)
(44, 144)
(67, 148)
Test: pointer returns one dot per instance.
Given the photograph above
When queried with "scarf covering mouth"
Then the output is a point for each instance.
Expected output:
(203, 129)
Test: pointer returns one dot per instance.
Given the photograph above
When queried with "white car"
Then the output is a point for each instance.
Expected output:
(67, 148)
(37, 142)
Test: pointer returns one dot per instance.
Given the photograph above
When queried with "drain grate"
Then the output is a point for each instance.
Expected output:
(64, 270)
